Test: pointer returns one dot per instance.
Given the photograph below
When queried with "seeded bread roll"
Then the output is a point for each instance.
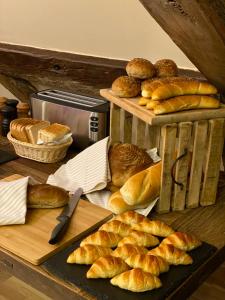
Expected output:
(166, 68)
(125, 86)
(140, 68)
(46, 196)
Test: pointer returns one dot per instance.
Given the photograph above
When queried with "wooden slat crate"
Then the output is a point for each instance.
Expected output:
(189, 143)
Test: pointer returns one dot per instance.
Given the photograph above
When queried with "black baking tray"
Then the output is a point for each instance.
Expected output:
(103, 290)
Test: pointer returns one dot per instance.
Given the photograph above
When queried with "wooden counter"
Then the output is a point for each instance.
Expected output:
(208, 223)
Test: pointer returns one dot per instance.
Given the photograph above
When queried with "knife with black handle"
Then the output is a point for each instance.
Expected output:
(64, 218)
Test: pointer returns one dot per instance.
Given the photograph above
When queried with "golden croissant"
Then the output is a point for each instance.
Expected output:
(148, 263)
(182, 241)
(154, 227)
(88, 254)
(140, 239)
(130, 217)
(136, 280)
(107, 267)
(172, 255)
(128, 249)
(116, 226)
(102, 238)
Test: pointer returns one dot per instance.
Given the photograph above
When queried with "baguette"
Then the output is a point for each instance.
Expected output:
(117, 205)
(136, 280)
(185, 103)
(191, 87)
(142, 187)
(88, 254)
(107, 267)
(172, 255)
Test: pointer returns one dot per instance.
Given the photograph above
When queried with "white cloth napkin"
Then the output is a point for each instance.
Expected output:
(13, 198)
(88, 170)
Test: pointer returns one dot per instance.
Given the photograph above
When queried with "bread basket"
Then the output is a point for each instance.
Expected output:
(42, 153)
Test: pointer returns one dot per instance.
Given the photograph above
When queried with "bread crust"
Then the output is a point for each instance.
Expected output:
(125, 86)
(46, 196)
(166, 68)
(140, 68)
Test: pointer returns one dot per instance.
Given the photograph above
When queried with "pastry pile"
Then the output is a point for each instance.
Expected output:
(161, 89)
(119, 250)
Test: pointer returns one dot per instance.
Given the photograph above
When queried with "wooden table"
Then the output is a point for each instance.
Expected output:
(208, 223)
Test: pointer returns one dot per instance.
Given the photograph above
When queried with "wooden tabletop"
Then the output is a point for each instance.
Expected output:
(208, 223)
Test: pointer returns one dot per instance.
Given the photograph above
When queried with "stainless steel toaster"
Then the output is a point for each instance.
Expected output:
(86, 116)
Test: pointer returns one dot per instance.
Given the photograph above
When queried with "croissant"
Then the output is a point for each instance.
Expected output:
(128, 249)
(102, 238)
(130, 217)
(182, 241)
(154, 227)
(185, 103)
(88, 254)
(148, 263)
(190, 87)
(136, 280)
(148, 86)
(116, 226)
(107, 267)
(172, 255)
(117, 205)
(140, 239)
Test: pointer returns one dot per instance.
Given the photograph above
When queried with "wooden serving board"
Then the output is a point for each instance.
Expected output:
(131, 105)
(30, 241)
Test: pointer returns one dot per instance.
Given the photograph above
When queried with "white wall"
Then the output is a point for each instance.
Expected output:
(119, 29)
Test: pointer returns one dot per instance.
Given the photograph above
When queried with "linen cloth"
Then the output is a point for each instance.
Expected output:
(90, 171)
(13, 201)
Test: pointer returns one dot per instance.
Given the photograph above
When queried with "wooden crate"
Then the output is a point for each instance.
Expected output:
(190, 144)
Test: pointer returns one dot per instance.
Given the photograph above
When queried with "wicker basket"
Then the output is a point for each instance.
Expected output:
(42, 153)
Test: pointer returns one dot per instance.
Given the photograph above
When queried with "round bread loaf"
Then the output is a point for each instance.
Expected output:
(140, 68)
(125, 86)
(166, 68)
(46, 196)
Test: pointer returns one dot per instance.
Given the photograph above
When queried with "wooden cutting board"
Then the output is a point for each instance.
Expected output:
(30, 241)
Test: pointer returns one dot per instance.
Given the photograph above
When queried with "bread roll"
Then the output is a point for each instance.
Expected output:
(149, 85)
(116, 226)
(148, 263)
(130, 217)
(126, 160)
(136, 280)
(128, 249)
(143, 101)
(143, 187)
(183, 241)
(154, 227)
(102, 238)
(107, 267)
(152, 104)
(117, 205)
(53, 132)
(166, 68)
(88, 254)
(191, 87)
(172, 255)
(46, 196)
(126, 87)
(139, 238)
(185, 103)
(140, 68)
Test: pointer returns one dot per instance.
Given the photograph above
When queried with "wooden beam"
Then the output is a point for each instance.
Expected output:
(198, 29)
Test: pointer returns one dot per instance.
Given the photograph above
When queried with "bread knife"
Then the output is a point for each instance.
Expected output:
(64, 217)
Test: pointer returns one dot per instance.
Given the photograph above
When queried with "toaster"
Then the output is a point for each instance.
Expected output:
(87, 116)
